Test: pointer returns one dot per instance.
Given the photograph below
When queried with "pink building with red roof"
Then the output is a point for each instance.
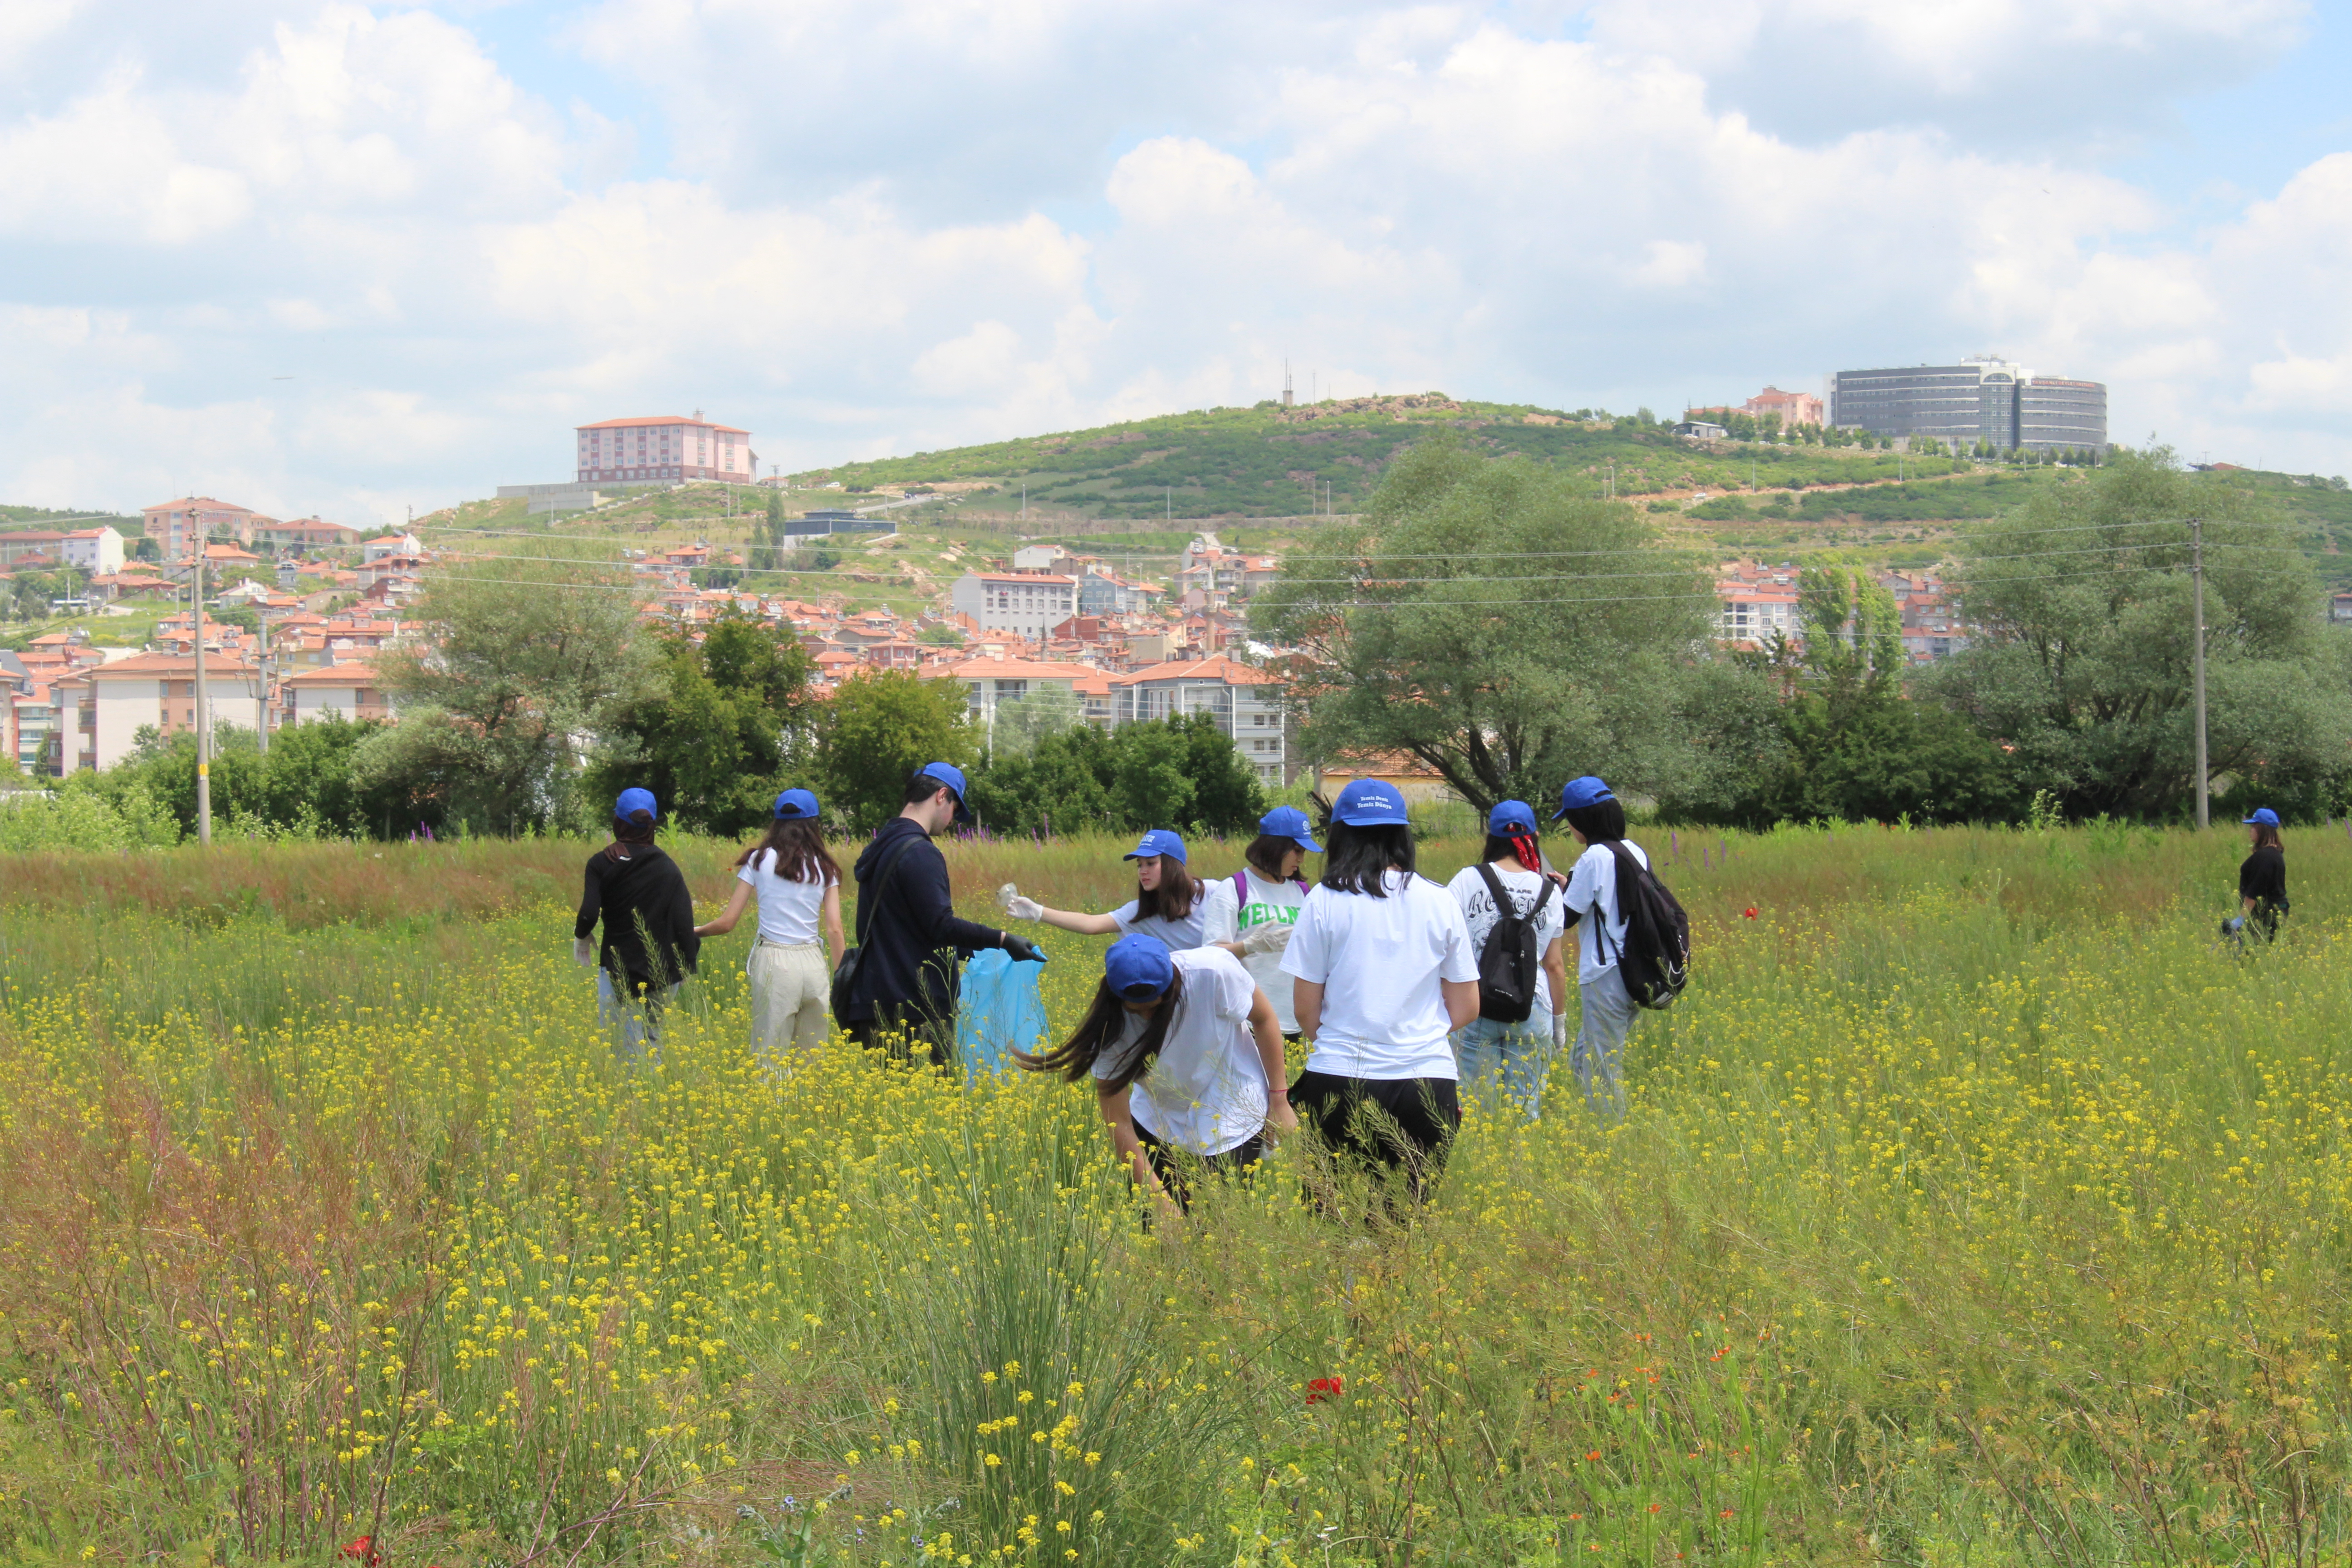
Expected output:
(664, 447)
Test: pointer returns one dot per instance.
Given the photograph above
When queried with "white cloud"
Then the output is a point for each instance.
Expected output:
(913, 223)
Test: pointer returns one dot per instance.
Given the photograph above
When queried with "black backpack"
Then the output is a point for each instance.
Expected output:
(1509, 965)
(1654, 962)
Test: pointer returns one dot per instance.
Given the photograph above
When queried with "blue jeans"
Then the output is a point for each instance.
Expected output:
(1517, 1056)
(1598, 1055)
(634, 1025)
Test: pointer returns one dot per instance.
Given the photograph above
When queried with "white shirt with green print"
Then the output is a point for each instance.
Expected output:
(1227, 919)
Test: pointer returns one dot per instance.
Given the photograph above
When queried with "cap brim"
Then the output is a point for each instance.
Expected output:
(1307, 843)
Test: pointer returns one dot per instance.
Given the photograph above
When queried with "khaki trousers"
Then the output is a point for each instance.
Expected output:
(790, 1000)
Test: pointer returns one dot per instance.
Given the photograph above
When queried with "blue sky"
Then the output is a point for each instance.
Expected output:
(351, 259)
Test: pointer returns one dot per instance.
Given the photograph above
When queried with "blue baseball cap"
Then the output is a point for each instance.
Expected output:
(1586, 791)
(1369, 803)
(1289, 822)
(951, 776)
(633, 801)
(796, 805)
(1139, 967)
(1511, 814)
(2264, 815)
(1159, 841)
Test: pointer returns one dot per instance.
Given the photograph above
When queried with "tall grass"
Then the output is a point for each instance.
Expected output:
(1975, 1205)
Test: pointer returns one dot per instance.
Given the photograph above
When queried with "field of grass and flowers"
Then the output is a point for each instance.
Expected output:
(1974, 1207)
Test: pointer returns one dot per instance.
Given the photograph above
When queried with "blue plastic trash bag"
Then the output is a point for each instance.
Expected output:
(999, 1012)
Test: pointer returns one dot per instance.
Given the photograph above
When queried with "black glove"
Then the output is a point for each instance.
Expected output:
(1022, 950)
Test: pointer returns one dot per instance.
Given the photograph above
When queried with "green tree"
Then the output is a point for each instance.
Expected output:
(1491, 622)
(1023, 722)
(880, 726)
(521, 659)
(1181, 772)
(712, 734)
(2083, 666)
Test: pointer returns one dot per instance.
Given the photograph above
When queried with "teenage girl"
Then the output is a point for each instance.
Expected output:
(1382, 973)
(1596, 821)
(1251, 914)
(2261, 880)
(799, 888)
(1167, 902)
(639, 894)
(1496, 1050)
(1184, 1053)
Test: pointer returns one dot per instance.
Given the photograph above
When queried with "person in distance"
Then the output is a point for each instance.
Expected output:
(1515, 1053)
(912, 944)
(649, 946)
(2261, 880)
(1596, 820)
(1167, 902)
(1251, 914)
(799, 890)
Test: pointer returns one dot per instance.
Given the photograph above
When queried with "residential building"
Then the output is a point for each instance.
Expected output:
(1752, 613)
(101, 709)
(989, 681)
(333, 691)
(1993, 401)
(303, 533)
(386, 545)
(1029, 604)
(664, 447)
(1245, 702)
(34, 547)
(173, 524)
(1793, 407)
(1701, 430)
(92, 549)
(1411, 778)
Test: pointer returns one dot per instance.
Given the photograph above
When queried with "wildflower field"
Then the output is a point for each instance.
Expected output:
(1975, 1206)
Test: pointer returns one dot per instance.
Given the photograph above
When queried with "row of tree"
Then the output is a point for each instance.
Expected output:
(1487, 620)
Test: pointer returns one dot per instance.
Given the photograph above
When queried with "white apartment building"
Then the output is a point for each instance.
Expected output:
(335, 692)
(1030, 604)
(101, 709)
(93, 549)
(1244, 701)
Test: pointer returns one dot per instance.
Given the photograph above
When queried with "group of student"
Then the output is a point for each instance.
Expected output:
(1374, 965)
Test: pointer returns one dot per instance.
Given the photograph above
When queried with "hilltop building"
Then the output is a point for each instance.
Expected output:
(664, 447)
(175, 524)
(1980, 399)
(1793, 407)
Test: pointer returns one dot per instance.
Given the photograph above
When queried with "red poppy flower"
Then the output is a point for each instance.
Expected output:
(1320, 1389)
(1750, 911)
(362, 1551)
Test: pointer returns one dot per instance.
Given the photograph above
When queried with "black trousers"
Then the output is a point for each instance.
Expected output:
(898, 1030)
(1169, 1163)
(1402, 1126)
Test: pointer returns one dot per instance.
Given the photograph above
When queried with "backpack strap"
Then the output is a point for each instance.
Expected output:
(1503, 905)
(1241, 895)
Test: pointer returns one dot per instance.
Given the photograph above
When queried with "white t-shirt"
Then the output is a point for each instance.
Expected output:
(788, 909)
(1379, 962)
(1469, 891)
(1206, 1088)
(1227, 919)
(1178, 934)
(1593, 880)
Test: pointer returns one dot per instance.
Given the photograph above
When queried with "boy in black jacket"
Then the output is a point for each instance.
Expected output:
(641, 895)
(912, 944)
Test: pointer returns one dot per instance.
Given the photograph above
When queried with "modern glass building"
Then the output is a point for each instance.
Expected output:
(1976, 400)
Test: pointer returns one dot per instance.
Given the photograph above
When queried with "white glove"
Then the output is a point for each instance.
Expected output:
(1271, 937)
(1021, 909)
(1560, 1031)
(583, 952)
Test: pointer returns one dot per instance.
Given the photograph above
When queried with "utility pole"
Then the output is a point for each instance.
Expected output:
(2197, 596)
(203, 707)
(262, 740)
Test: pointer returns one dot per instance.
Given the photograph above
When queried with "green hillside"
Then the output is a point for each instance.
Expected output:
(1271, 461)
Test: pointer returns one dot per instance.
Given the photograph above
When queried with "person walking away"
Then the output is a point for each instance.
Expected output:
(1186, 1057)
(1497, 1049)
(649, 945)
(1167, 902)
(2261, 880)
(900, 990)
(1382, 973)
(799, 890)
(1251, 913)
(1596, 820)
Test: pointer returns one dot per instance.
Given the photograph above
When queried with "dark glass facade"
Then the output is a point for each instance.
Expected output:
(1976, 400)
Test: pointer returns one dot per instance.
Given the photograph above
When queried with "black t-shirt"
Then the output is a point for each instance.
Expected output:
(2263, 876)
(644, 895)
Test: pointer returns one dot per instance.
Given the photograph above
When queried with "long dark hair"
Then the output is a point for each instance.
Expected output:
(1359, 859)
(1521, 848)
(799, 845)
(2266, 836)
(1178, 891)
(1600, 822)
(1266, 852)
(1074, 1057)
(634, 830)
